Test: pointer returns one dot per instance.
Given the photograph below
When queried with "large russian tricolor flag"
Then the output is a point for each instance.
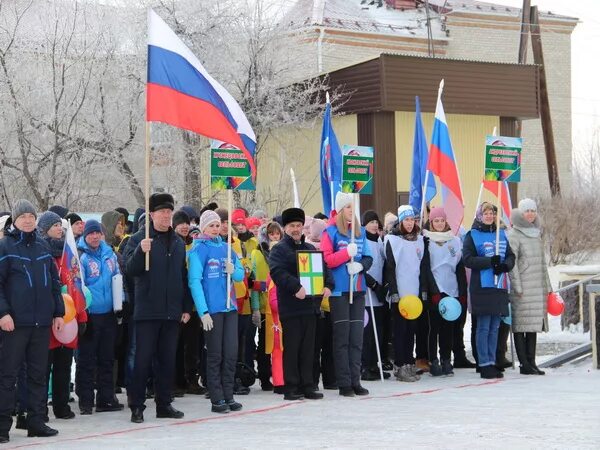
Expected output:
(181, 93)
(443, 164)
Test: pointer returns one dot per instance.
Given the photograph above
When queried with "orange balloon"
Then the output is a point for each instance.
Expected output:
(69, 308)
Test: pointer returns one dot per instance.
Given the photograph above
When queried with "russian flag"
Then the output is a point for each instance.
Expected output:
(181, 93)
(70, 271)
(492, 186)
(443, 164)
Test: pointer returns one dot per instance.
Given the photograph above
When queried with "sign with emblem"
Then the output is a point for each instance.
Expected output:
(357, 169)
(310, 271)
(230, 169)
(503, 158)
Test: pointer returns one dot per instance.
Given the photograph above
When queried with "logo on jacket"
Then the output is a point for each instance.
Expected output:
(342, 244)
(214, 268)
(452, 251)
(111, 265)
(419, 253)
(94, 269)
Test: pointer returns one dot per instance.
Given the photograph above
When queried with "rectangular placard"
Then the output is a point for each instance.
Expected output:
(503, 158)
(357, 169)
(229, 169)
(310, 271)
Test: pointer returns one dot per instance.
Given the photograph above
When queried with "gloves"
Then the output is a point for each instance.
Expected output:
(229, 267)
(207, 322)
(352, 250)
(372, 283)
(354, 267)
(256, 318)
(394, 298)
(501, 268)
(495, 260)
(81, 328)
(435, 299)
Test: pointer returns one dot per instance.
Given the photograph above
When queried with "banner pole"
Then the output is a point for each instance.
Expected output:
(498, 225)
(229, 226)
(352, 240)
(147, 190)
(423, 192)
(379, 363)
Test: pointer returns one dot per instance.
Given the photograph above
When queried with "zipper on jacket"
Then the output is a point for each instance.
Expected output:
(45, 276)
(28, 275)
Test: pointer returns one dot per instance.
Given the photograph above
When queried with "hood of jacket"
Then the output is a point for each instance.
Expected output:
(110, 220)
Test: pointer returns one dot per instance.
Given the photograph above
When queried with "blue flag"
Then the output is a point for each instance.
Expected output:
(419, 167)
(331, 163)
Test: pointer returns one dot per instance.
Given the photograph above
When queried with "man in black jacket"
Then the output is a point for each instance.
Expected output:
(30, 302)
(297, 311)
(162, 300)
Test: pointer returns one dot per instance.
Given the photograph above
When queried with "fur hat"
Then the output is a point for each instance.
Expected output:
(341, 200)
(292, 215)
(207, 218)
(47, 221)
(161, 200)
(527, 204)
(21, 207)
(404, 212)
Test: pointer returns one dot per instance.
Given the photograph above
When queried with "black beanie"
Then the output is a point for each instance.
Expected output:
(179, 217)
(369, 216)
(60, 210)
(73, 218)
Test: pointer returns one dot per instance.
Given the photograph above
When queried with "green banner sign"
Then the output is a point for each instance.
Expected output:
(229, 169)
(503, 158)
(357, 169)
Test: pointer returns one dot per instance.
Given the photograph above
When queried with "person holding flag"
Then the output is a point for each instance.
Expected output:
(347, 260)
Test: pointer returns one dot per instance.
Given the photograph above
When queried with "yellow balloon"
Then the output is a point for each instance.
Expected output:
(410, 307)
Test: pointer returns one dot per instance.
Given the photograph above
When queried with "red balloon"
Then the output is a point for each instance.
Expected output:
(556, 304)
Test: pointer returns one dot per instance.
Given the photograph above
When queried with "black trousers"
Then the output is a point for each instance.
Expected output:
(263, 360)
(387, 326)
(222, 353)
(440, 335)
(155, 340)
(96, 360)
(298, 352)
(422, 335)
(404, 338)
(503, 334)
(59, 363)
(348, 326)
(245, 326)
(28, 344)
(369, 349)
(188, 352)
(323, 358)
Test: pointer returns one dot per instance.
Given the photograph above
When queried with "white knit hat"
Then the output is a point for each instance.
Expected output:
(207, 218)
(527, 204)
(341, 200)
(405, 211)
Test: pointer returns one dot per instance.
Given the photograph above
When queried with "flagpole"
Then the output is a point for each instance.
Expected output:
(330, 175)
(147, 190)
(379, 363)
(423, 192)
(498, 224)
(295, 189)
(352, 240)
(229, 243)
(478, 198)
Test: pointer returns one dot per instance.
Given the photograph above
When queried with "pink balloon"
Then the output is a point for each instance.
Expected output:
(366, 319)
(67, 333)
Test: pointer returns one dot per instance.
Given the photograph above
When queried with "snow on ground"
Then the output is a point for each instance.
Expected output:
(559, 410)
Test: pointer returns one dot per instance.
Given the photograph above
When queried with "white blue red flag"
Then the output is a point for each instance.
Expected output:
(181, 93)
(492, 186)
(70, 271)
(331, 163)
(443, 164)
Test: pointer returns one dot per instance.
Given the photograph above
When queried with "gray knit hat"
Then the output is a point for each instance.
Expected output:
(21, 207)
(207, 218)
(47, 220)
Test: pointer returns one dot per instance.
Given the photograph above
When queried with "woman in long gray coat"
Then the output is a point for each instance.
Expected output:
(530, 284)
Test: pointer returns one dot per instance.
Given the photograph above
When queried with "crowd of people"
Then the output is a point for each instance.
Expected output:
(208, 310)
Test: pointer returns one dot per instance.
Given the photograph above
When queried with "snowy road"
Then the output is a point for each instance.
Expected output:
(560, 410)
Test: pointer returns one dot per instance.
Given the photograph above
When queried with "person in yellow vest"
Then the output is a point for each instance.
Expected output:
(269, 235)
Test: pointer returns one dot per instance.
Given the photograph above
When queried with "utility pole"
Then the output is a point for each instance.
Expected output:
(538, 58)
(430, 48)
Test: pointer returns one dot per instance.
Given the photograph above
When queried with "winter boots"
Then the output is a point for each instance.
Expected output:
(530, 346)
(435, 369)
(447, 369)
(406, 373)
(521, 348)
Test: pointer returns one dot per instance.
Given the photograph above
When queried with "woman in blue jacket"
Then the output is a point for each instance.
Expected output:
(207, 276)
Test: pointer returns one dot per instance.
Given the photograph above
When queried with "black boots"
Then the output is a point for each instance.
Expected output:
(168, 412)
(137, 414)
(41, 431)
(530, 346)
(521, 348)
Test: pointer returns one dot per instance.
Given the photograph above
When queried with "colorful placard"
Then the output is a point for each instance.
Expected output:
(503, 158)
(310, 271)
(230, 169)
(357, 169)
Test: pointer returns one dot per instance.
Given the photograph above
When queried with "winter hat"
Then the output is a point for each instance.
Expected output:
(259, 213)
(60, 210)
(316, 229)
(222, 212)
(5, 221)
(485, 206)
(91, 226)
(253, 222)
(179, 217)
(238, 217)
(321, 216)
(292, 215)
(212, 206)
(436, 213)
(527, 204)
(404, 212)
(207, 218)
(47, 220)
(341, 200)
(73, 218)
(369, 216)
(109, 221)
(21, 207)
(161, 200)
(190, 211)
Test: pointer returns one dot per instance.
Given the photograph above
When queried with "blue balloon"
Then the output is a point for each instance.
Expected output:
(449, 308)
(508, 319)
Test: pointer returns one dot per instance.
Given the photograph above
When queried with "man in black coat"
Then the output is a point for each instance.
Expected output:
(162, 301)
(297, 311)
(30, 303)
